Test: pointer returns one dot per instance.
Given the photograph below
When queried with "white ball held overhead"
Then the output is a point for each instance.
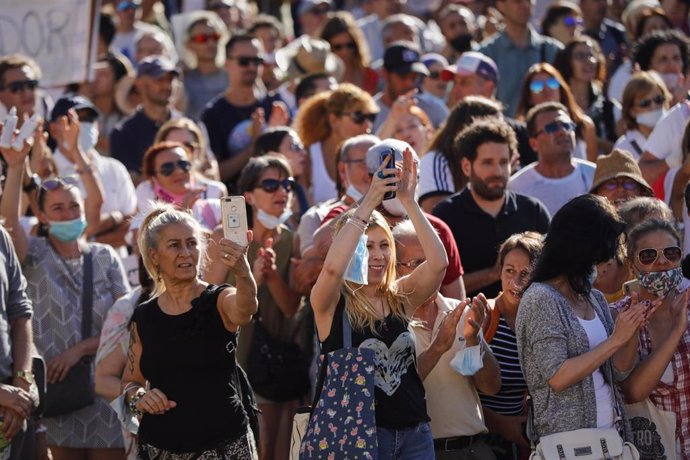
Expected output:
(25, 132)
(8, 128)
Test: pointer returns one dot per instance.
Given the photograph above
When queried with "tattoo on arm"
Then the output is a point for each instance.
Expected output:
(130, 348)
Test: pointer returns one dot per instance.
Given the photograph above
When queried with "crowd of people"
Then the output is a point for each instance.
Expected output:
(481, 208)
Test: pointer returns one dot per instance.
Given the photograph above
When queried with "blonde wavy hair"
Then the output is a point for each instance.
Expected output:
(159, 217)
(312, 124)
(360, 311)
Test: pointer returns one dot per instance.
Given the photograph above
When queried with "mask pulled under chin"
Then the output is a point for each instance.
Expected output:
(353, 193)
(167, 196)
(469, 360)
(661, 283)
(271, 222)
(67, 230)
(358, 269)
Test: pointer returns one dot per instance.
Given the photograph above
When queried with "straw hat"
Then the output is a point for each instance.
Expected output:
(619, 163)
(308, 55)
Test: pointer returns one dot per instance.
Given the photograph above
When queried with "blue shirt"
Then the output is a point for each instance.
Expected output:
(513, 62)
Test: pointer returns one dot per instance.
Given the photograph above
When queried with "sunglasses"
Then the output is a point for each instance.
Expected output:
(659, 99)
(272, 185)
(18, 86)
(537, 86)
(167, 169)
(627, 184)
(648, 256)
(434, 75)
(555, 126)
(572, 21)
(55, 183)
(205, 38)
(343, 46)
(244, 61)
(360, 117)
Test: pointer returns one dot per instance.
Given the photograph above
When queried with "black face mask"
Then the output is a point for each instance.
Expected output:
(461, 43)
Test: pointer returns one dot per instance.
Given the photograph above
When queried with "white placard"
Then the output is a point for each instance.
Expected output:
(55, 33)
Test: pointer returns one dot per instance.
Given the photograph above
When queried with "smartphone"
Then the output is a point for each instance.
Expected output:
(631, 286)
(387, 157)
(234, 214)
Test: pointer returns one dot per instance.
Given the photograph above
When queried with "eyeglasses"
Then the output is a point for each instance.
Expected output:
(360, 117)
(244, 61)
(625, 182)
(585, 56)
(572, 21)
(205, 38)
(272, 185)
(342, 46)
(434, 75)
(537, 86)
(555, 126)
(18, 86)
(659, 99)
(167, 169)
(648, 256)
(55, 183)
(414, 263)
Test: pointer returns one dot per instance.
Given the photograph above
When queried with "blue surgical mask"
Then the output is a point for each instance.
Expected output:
(469, 360)
(353, 193)
(358, 268)
(67, 230)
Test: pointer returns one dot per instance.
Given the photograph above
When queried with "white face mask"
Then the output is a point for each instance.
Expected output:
(88, 136)
(394, 207)
(353, 193)
(670, 80)
(271, 222)
(650, 119)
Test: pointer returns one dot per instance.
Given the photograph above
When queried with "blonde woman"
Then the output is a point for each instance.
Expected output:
(323, 123)
(379, 307)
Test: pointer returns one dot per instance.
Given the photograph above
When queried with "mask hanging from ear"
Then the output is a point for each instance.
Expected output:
(358, 268)
(353, 193)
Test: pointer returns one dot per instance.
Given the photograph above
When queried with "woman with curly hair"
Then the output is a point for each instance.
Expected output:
(543, 83)
(326, 120)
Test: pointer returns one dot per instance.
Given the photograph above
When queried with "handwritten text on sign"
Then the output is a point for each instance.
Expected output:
(55, 33)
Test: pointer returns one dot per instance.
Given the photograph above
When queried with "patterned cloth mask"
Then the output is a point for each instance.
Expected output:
(661, 283)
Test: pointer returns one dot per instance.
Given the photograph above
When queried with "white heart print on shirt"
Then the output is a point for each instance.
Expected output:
(391, 363)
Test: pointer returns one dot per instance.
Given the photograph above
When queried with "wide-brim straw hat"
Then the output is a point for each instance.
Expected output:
(619, 163)
(308, 55)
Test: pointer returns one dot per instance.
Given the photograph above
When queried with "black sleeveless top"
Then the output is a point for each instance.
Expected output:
(191, 358)
(400, 397)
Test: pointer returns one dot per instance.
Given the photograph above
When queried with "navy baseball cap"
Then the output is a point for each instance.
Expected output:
(403, 57)
(72, 101)
(156, 67)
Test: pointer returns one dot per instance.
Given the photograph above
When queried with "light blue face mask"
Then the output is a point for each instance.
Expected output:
(469, 360)
(358, 268)
(67, 230)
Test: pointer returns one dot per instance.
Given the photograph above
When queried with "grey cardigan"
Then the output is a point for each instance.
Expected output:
(548, 333)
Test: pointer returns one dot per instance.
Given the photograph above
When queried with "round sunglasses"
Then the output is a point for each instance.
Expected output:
(54, 183)
(272, 185)
(537, 86)
(648, 256)
(168, 168)
(19, 86)
(627, 184)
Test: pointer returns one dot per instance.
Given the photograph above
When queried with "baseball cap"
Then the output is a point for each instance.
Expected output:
(71, 101)
(403, 57)
(434, 58)
(472, 63)
(306, 6)
(155, 67)
(128, 4)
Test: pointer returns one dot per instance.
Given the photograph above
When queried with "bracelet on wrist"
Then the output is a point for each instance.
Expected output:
(358, 224)
(355, 217)
(87, 168)
(132, 403)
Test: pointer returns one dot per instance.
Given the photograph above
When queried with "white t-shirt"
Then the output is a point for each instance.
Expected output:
(434, 175)
(633, 142)
(665, 141)
(554, 193)
(310, 223)
(668, 187)
(596, 334)
(323, 187)
(619, 80)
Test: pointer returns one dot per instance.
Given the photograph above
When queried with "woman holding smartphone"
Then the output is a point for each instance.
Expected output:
(379, 307)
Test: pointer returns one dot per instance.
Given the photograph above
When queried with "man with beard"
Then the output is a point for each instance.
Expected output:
(130, 139)
(556, 177)
(234, 118)
(485, 213)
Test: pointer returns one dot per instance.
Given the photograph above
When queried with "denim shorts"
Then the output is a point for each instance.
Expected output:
(414, 443)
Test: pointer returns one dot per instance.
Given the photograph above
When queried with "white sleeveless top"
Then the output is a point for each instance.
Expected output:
(323, 187)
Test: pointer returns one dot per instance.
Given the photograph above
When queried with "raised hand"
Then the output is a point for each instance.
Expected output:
(408, 178)
(17, 157)
(446, 333)
(280, 114)
(234, 256)
(192, 195)
(384, 180)
(68, 128)
(628, 321)
(475, 319)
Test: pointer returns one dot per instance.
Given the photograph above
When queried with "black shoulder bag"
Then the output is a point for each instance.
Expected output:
(77, 389)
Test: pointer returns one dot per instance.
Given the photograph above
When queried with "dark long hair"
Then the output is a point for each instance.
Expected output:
(584, 232)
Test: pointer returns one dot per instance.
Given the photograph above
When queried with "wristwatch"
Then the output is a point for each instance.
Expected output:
(34, 182)
(27, 376)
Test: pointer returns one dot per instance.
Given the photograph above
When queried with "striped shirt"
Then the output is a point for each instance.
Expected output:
(435, 177)
(510, 399)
